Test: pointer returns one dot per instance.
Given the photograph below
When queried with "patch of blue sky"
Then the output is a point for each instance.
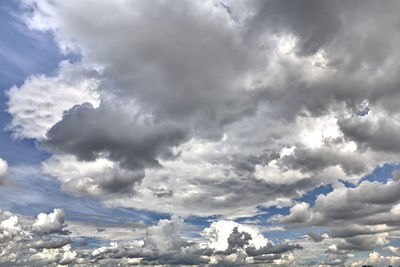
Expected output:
(395, 243)
(114, 214)
(265, 213)
(382, 173)
(363, 112)
(23, 53)
(312, 195)
(201, 221)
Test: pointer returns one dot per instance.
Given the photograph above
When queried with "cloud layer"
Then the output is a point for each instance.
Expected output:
(45, 243)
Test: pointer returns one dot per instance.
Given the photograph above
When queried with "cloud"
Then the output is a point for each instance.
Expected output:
(40, 101)
(21, 247)
(49, 243)
(3, 170)
(149, 138)
(49, 223)
(98, 177)
(9, 228)
(315, 237)
(162, 244)
(376, 259)
(263, 83)
(44, 242)
(237, 240)
(270, 249)
(377, 132)
(369, 212)
(299, 18)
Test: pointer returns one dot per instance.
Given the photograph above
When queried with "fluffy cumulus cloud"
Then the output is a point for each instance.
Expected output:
(49, 223)
(221, 108)
(37, 244)
(376, 259)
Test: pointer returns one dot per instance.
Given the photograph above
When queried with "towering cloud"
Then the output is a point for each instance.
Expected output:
(49, 223)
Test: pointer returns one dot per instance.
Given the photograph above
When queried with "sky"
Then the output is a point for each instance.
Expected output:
(199, 133)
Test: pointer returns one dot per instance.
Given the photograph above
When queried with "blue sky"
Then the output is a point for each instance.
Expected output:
(165, 129)
(23, 53)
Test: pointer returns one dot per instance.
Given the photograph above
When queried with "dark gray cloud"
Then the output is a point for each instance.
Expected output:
(306, 159)
(316, 23)
(233, 189)
(134, 140)
(117, 181)
(237, 240)
(270, 249)
(381, 135)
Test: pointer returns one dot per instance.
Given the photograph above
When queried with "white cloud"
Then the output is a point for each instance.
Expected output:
(376, 259)
(219, 232)
(39, 103)
(49, 223)
(68, 256)
(91, 177)
(9, 228)
(271, 173)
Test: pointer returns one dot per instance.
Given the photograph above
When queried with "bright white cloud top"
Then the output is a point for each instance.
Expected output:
(217, 109)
